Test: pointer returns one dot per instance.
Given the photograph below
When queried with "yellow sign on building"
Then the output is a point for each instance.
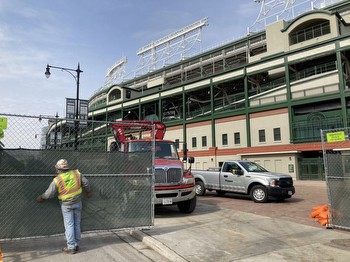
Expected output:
(336, 136)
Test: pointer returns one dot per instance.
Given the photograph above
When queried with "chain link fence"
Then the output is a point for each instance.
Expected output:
(30, 147)
(336, 154)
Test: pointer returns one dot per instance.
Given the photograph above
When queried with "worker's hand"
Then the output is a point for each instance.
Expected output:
(39, 199)
(89, 194)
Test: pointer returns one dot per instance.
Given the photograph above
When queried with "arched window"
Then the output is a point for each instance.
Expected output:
(115, 94)
(309, 30)
(315, 123)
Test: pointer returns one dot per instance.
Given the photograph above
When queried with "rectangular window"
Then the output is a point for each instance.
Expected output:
(224, 139)
(204, 141)
(237, 138)
(194, 141)
(262, 137)
(277, 134)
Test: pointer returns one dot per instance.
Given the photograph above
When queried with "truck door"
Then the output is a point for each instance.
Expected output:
(230, 179)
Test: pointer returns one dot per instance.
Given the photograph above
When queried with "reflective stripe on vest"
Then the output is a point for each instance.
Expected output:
(68, 184)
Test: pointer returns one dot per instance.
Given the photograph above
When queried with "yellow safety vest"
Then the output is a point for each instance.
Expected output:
(68, 184)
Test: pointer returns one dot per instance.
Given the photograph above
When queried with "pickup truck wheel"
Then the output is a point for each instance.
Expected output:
(200, 188)
(187, 206)
(259, 194)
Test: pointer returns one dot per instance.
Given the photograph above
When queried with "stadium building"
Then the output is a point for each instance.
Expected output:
(264, 97)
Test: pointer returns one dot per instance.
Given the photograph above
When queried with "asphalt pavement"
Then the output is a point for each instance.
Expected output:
(234, 230)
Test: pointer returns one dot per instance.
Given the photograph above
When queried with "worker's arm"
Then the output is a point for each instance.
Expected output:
(86, 186)
(49, 193)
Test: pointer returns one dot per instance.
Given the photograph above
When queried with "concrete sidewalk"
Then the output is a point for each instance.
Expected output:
(103, 246)
(233, 229)
(227, 235)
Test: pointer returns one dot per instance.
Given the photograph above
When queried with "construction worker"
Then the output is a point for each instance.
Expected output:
(68, 185)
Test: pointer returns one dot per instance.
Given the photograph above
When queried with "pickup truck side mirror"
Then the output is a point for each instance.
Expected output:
(237, 172)
(191, 159)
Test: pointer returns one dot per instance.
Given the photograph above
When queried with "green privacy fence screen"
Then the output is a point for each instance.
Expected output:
(122, 183)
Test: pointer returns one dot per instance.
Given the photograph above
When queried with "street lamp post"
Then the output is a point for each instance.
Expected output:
(77, 79)
(55, 139)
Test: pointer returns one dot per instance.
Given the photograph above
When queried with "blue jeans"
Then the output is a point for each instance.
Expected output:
(72, 217)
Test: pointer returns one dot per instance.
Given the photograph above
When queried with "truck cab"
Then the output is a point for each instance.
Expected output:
(174, 184)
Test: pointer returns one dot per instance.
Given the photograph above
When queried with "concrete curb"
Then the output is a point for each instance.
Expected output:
(157, 246)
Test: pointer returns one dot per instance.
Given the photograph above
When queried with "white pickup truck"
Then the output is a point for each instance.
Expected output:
(244, 177)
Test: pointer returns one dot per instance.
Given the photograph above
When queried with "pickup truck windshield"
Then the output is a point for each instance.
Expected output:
(162, 149)
(253, 167)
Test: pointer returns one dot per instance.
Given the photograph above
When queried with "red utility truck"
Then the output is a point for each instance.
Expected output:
(173, 183)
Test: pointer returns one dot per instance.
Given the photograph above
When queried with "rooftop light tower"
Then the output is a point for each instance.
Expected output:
(275, 10)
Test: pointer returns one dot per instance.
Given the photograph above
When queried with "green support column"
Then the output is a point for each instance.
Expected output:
(184, 116)
(289, 99)
(122, 111)
(160, 109)
(213, 132)
(92, 140)
(140, 110)
(341, 87)
(246, 106)
(106, 131)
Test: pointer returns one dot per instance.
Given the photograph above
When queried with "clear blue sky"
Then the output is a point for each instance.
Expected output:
(95, 33)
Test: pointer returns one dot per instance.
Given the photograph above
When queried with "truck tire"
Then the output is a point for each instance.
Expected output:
(187, 206)
(200, 188)
(259, 194)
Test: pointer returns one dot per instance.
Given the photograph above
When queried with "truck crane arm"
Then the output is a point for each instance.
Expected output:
(120, 127)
